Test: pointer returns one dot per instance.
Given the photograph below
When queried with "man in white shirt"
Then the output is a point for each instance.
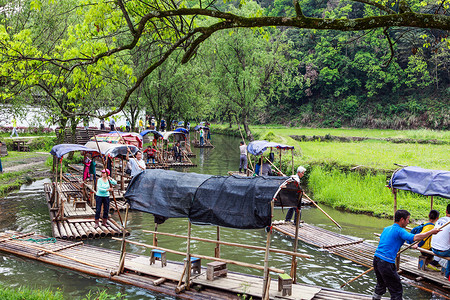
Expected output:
(243, 157)
(440, 243)
(137, 164)
(300, 173)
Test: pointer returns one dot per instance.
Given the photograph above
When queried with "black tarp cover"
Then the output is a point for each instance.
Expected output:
(228, 201)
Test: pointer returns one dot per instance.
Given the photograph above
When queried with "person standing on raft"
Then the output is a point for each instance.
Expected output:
(300, 173)
(391, 239)
(102, 197)
(243, 157)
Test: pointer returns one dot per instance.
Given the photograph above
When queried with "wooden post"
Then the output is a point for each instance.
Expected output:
(122, 181)
(431, 205)
(60, 203)
(155, 238)
(394, 191)
(123, 246)
(266, 259)
(294, 258)
(292, 155)
(280, 157)
(188, 257)
(217, 249)
(261, 160)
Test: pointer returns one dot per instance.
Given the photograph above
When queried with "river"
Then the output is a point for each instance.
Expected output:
(26, 210)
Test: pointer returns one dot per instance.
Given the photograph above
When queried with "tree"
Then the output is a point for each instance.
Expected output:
(243, 64)
(103, 30)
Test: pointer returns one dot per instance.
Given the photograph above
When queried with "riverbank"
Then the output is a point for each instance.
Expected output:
(22, 167)
(350, 174)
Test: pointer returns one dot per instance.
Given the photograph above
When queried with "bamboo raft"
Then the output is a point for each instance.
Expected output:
(181, 165)
(357, 250)
(100, 262)
(77, 223)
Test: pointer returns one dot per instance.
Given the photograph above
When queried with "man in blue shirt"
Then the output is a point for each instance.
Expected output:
(391, 239)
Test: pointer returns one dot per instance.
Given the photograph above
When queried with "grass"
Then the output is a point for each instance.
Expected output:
(422, 134)
(29, 294)
(23, 293)
(366, 194)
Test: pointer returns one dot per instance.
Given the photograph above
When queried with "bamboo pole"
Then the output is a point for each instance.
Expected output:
(60, 189)
(123, 245)
(364, 273)
(217, 249)
(266, 258)
(268, 160)
(228, 261)
(104, 167)
(17, 237)
(294, 258)
(62, 255)
(155, 238)
(188, 256)
(230, 244)
(315, 204)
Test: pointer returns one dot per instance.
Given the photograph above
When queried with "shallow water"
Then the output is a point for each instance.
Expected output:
(27, 211)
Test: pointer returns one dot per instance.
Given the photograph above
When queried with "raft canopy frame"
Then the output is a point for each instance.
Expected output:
(230, 201)
(257, 148)
(421, 181)
(118, 137)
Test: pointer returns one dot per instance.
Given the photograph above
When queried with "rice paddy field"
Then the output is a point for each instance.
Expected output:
(352, 176)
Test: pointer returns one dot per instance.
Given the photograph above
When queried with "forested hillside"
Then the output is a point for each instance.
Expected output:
(353, 79)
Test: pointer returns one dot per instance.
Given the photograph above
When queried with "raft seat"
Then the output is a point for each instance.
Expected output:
(158, 255)
(216, 269)
(79, 204)
(285, 284)
(196, 265)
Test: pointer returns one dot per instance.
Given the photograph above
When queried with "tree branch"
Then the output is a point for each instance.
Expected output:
(391, 47)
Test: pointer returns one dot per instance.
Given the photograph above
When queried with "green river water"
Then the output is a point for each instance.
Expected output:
(26, 211)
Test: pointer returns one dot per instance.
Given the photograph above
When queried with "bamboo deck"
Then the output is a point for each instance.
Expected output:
(77, 223)
(358, 251)
(101, 262)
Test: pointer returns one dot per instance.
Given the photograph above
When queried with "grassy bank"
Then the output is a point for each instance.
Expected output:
(20, 168)
(352, 175)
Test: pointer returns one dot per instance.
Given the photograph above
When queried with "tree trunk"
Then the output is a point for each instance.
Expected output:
(247, 130)
(62, 130)
(73, 129)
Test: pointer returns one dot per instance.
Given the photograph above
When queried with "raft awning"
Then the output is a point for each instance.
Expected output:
(62, 149)
(112, 150)
(259, 147)
(167, 134)
(117, 137)
(198, 127)
(155, 133)
(228, 201)
(422, 181)
(183, 130)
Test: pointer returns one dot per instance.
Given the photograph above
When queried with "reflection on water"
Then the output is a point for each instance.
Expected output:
(27, 211)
